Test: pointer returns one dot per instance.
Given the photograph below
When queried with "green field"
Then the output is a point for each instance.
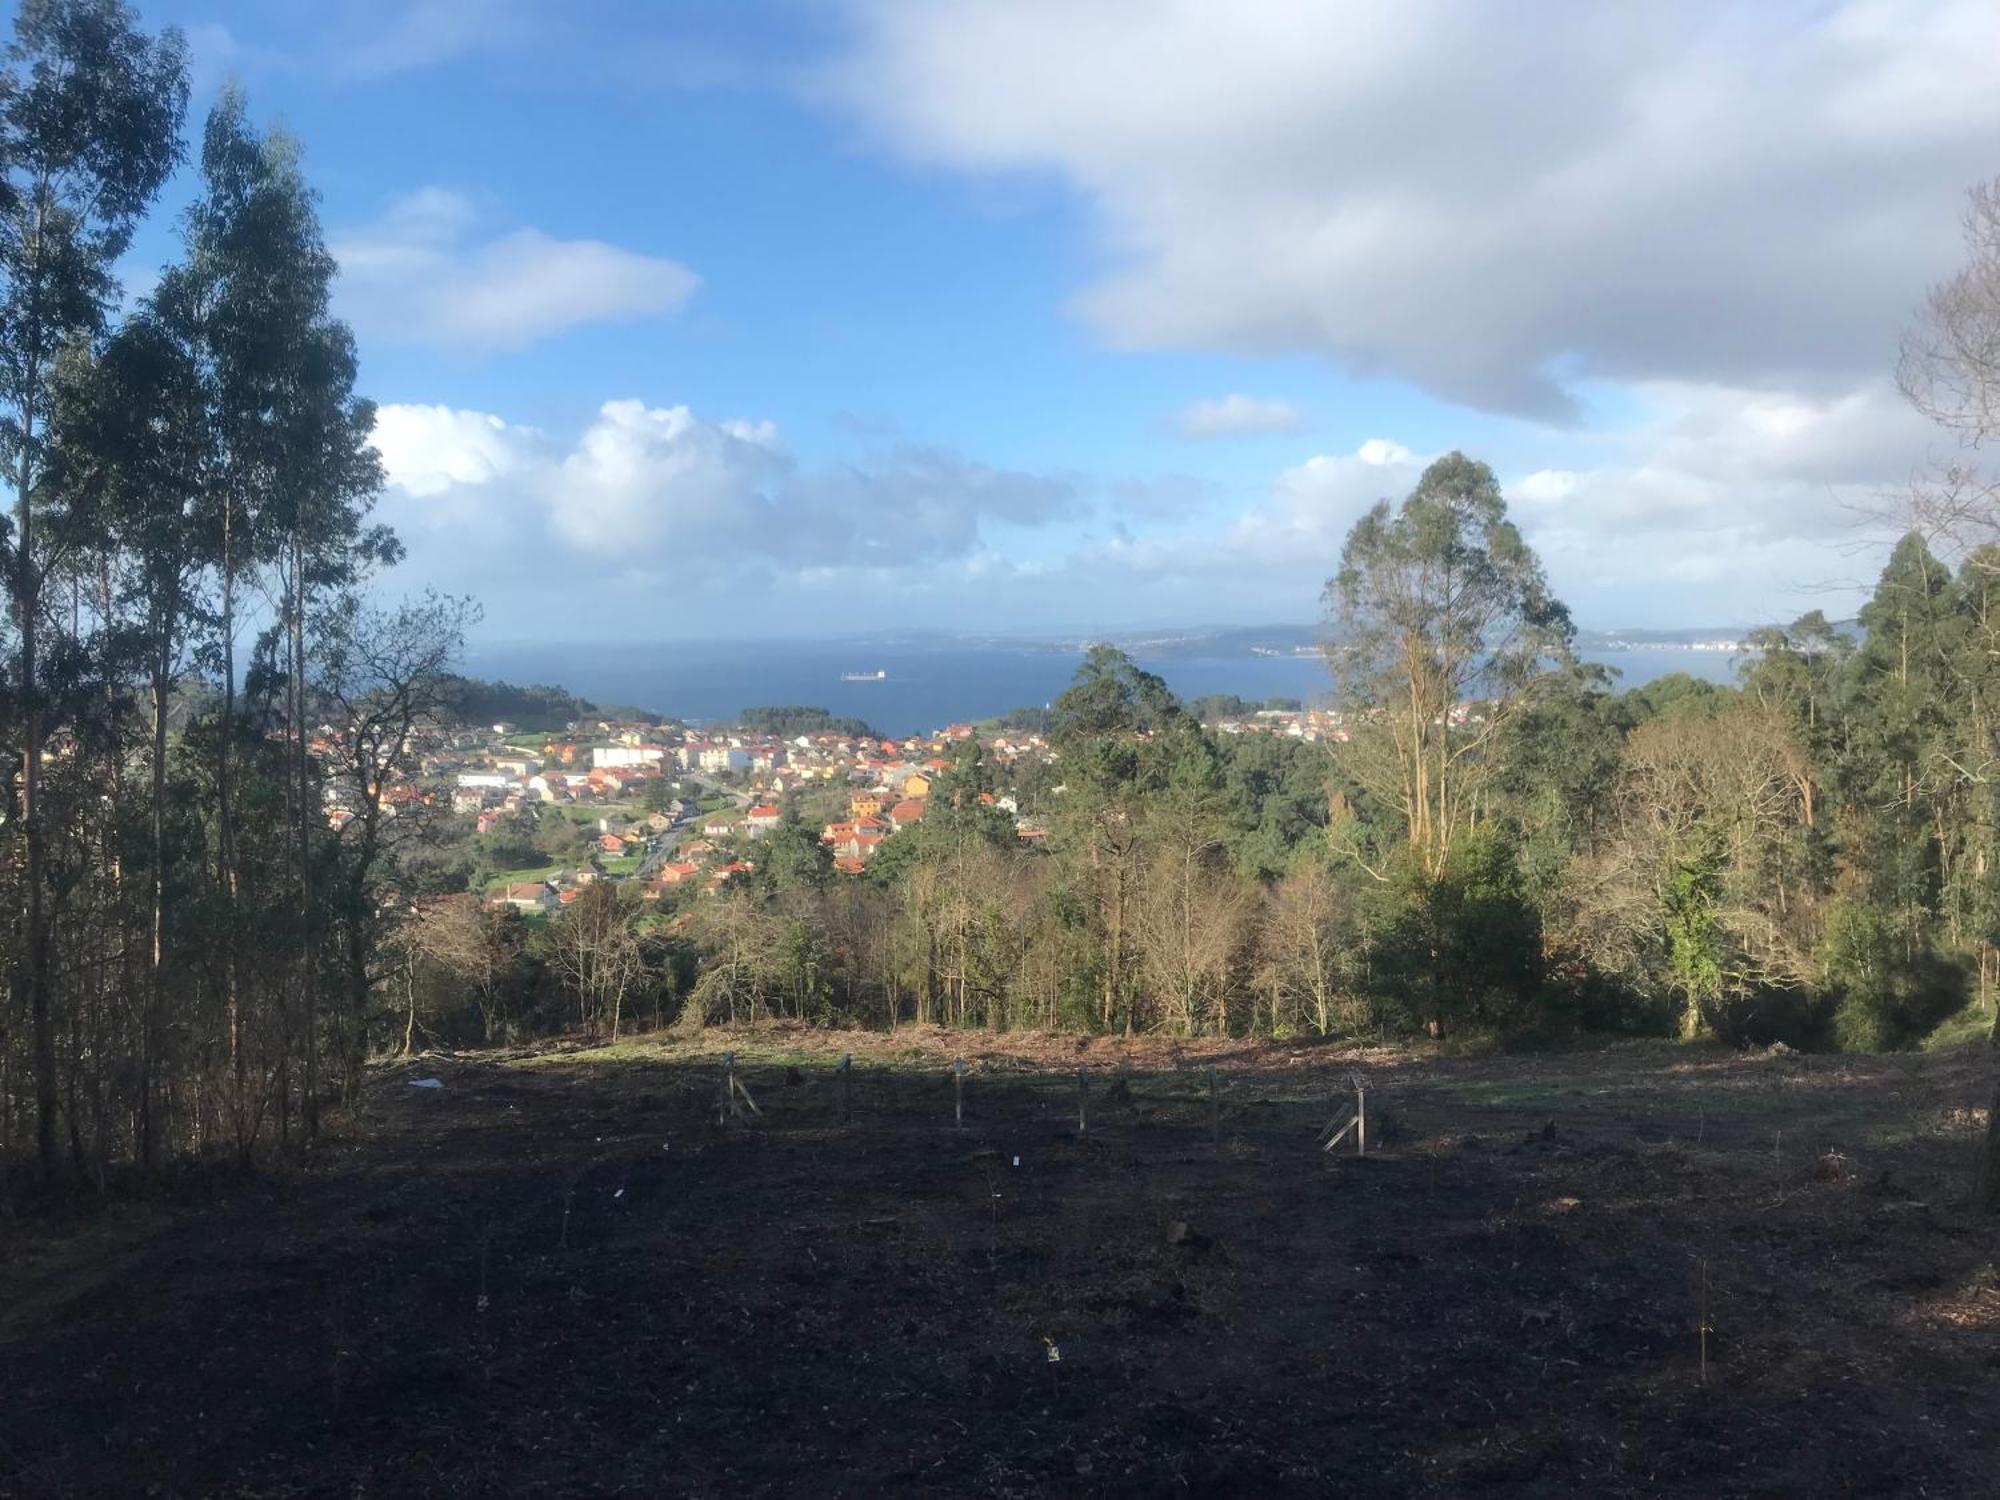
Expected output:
(520, 877)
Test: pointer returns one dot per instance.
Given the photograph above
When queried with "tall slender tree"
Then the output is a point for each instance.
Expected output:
(89, 129)
(1441, 629)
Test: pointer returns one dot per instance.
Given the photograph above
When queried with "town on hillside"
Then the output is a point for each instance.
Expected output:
(676, 810)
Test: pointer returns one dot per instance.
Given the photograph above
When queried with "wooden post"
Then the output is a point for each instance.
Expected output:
(847, 1088)
(1214, 1112)
(958, 1092)
(1360, 1122)
(729, 1084)
(1082, 1113)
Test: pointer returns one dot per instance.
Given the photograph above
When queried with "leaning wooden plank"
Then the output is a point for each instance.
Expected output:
(1343, 1116)
(1342, 1136)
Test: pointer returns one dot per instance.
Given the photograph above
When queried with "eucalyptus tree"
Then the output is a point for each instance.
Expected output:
(296, 473)
(127, 455)
(1797, 670)
(1901, 703)
(89, 123)
(1441, 630)
(1123, 739)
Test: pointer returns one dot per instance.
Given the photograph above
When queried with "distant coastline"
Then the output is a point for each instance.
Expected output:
(930, 681)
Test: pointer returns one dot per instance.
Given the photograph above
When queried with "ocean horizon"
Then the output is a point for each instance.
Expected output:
(926, 686)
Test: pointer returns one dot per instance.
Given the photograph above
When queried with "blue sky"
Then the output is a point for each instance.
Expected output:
(757, 318)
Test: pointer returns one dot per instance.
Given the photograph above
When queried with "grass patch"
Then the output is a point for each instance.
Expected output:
(1968, 1028)
(44, 1269)
(534, 873)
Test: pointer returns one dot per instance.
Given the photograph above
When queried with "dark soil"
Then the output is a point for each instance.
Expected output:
(566, 1276)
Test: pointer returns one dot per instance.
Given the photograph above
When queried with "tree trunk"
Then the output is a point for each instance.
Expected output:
(156, 966)
(32, 973)
(1986, 1178)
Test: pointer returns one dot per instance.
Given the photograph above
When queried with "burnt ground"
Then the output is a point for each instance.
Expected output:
(561, 1275)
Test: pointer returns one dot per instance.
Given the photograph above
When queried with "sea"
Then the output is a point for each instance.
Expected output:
(926, 685)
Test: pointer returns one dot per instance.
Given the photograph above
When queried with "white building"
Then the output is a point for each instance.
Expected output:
(603, 757)
(725, 758)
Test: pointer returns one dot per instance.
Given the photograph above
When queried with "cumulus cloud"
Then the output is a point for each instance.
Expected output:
(649, 493)
(1237, 416)
(425, 273)
(378, 39)
(1433, 191)
(1714, 506)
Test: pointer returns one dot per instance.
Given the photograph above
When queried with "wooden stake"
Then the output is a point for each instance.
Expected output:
(1082, 1120)
(847, 1088)
(1361, 1122)
(1214, 1112)
(1701, 1321)
(958, 1091)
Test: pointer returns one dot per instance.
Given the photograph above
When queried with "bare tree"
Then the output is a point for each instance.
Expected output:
(599, 954)
(1306, 941)
(1949, 370)
(1190, 920)
(382, 679)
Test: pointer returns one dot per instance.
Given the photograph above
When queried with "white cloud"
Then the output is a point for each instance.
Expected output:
(1237, 416)
(645, 495)
(1382, 453)
(1433, 190)
(426, 450)
(380, 39)
(1712, 506)
(423, 274)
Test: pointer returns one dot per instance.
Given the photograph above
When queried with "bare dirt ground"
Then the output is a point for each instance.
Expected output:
(562, 1274)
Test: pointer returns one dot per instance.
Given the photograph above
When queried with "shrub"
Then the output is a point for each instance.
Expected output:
(1886, 991)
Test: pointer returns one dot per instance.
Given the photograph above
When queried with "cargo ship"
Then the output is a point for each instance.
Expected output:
(878, 675)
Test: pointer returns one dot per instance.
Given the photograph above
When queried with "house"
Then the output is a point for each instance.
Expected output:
(916, 786)
(611, 844)
(724, 758)
(864, 804)
(903, 814)
(855, 844)
(761, 819)
(528, 895)
(677, 871)
(724, 874)
(606, 757)
(849, 866)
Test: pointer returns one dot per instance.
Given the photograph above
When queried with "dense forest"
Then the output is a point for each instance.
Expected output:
(1494, 840)
(192, 945)
(1802, 857)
